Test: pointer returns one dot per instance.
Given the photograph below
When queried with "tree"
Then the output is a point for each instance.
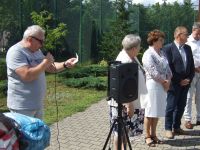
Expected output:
(94, 42)
(111, 40)
(9, 21)
(166, 17)
(95, 16)
(54, 35)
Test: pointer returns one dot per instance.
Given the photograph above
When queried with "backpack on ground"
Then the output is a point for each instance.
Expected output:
(35, 134)
(8, 134)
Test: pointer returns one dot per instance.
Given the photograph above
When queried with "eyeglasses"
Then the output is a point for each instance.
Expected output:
(39, 40)
(186, 34)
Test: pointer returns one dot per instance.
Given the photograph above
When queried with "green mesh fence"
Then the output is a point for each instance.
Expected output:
(85, 22)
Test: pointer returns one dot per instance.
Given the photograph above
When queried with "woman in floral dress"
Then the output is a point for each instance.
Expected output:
(158, 76)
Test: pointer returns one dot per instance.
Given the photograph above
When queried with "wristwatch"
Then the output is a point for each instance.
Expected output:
(64, 65)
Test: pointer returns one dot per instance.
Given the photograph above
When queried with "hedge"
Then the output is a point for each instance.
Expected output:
(3, 88)
(3, 72)
(98, 83)
(85, 71)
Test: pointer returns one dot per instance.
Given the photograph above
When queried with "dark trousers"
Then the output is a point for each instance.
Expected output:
(176, 101)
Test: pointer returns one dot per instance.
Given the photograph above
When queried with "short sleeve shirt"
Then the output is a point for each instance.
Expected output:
(23, 94)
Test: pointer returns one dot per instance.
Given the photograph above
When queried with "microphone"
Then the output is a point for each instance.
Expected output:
(44, 52)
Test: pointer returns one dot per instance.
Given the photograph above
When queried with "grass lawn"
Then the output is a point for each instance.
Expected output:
(67, 100)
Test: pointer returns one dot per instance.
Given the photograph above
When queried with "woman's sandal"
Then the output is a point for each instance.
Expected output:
(156, 140)
(151, 143)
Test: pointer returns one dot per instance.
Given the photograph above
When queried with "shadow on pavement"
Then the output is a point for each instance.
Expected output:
(193, 132)
(186, 142)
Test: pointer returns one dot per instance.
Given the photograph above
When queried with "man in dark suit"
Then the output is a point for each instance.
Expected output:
(181, 62)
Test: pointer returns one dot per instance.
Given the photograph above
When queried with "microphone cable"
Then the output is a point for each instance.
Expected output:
(56, 102)
(55, 88)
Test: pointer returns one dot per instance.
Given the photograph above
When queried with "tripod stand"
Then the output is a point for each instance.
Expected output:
(122, 79)
(121, 127)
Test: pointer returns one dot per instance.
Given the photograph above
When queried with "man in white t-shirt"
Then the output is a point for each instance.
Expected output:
(194, 42)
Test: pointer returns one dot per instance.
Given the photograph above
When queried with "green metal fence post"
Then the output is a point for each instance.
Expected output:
(100, 28)
(21, 16)
(80, 33)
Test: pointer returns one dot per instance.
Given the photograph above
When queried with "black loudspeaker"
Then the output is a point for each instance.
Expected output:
(123, 82)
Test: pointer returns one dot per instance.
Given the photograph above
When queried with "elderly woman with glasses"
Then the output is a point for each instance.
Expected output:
(131, 48)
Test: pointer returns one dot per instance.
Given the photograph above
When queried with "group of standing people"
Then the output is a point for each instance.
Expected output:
(164, 79)
(169, 72)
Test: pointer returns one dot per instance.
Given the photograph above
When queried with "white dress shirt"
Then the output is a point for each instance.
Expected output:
(195, 46)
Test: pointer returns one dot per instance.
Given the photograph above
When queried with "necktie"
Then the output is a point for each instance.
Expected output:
(182, 52)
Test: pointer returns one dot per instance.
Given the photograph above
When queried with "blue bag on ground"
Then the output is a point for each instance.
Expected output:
(34, 132)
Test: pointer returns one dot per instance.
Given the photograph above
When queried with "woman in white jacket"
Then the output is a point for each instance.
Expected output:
(131, 47)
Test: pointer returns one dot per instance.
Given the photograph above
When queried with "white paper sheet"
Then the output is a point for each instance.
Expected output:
(76, 60)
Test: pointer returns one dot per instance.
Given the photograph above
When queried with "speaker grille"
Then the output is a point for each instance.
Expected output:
(123, 82)
(129, 89)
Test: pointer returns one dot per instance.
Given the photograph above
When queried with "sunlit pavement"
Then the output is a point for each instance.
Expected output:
(88, 130)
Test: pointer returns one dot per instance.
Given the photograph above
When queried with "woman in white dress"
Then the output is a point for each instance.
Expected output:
(158, 76)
